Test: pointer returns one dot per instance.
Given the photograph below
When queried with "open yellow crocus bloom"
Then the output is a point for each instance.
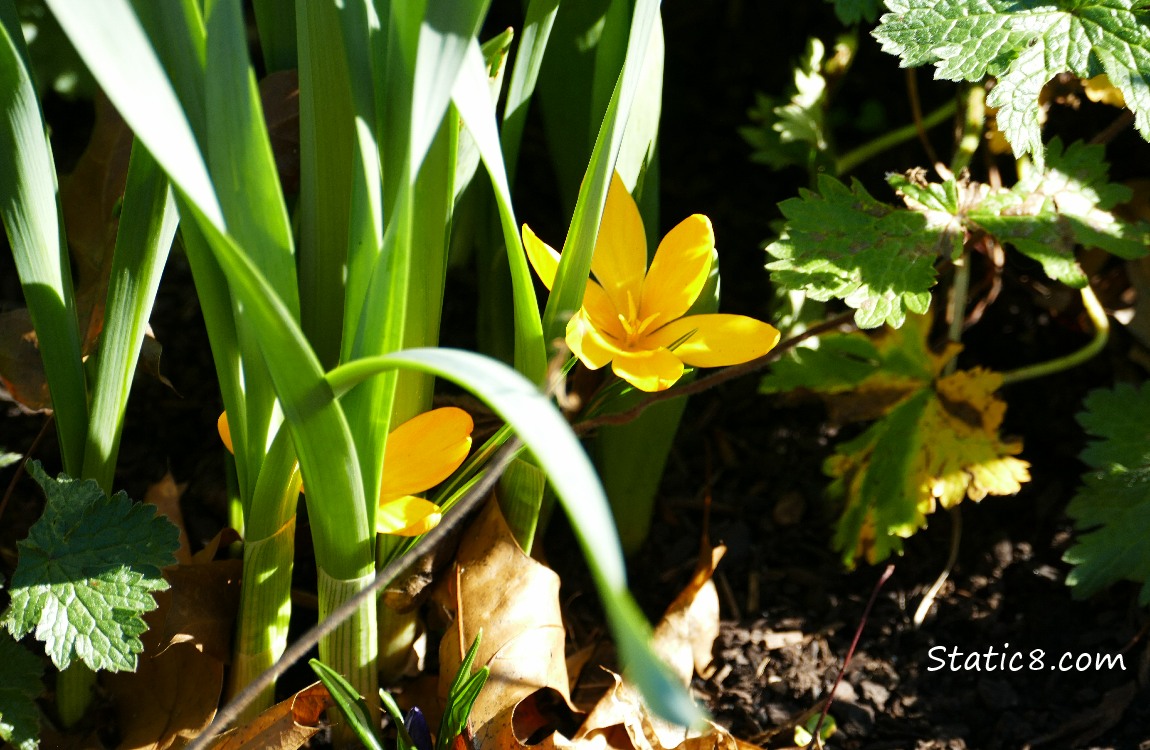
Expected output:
(635, 317)
(420, 453)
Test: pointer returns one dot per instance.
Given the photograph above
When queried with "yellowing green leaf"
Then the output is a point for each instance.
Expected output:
(934, 440)
(938, 446)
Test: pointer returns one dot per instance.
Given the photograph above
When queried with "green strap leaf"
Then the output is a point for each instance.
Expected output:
(557, 450)
(87, 572)
(147, 226)
(29, 213)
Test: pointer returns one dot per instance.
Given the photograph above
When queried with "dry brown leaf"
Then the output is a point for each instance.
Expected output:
(170, 698)
(165, 495)
(285, 726)
(181, 671)
(515, 602)
(21, 369)
(203, 603)
(684, 638)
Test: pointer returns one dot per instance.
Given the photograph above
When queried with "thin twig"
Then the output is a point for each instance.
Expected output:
(815, 739)
(722, 376)
(932, 593)
(1108, 133)
(325, 627)
(24, 462)
(916, 113)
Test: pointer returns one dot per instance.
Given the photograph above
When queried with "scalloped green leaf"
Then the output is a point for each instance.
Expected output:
(879, 259)
(1112, 509)
(86, 573)
(1025, 43)
(1046, 214)
(841, 362)
(20, 672)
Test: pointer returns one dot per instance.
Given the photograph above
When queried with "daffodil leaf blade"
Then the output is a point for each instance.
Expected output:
(1112, 509)
(87, 572)
(843, 243)
(549, 438)
(1024, 45)
(1069, 203)
(20, 685)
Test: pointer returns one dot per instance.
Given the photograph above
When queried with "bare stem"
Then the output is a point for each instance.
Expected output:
(1101, 334)
(707, 383)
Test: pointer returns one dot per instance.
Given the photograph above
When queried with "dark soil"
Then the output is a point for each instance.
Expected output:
(746, 470)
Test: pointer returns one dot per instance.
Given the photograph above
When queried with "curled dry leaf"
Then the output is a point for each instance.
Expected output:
(514, 600)
(181, 671)
(169, 700)
(165, 495)
(684, 638)
(285, 726)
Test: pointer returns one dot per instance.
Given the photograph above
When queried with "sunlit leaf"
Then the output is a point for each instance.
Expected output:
(87, 572)
(1024, 45)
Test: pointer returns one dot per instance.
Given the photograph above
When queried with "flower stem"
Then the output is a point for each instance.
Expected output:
(1101, 335)
(890, 139)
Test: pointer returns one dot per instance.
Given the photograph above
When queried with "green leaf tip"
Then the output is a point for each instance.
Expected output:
(86, 573)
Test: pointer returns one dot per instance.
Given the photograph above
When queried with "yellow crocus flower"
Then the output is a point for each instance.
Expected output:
(420, 453)
(635, 317)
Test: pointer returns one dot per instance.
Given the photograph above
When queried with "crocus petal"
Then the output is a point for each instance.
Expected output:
(225, 432)
(544, 259)
(620, 259)
(423, 451)
(587, 343)
(715, 340)
(679, 269)
(599, 311)
(407, 516)
(648, 370)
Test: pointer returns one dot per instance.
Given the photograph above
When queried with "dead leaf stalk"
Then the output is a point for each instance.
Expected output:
(886, 574)
(709, 382)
